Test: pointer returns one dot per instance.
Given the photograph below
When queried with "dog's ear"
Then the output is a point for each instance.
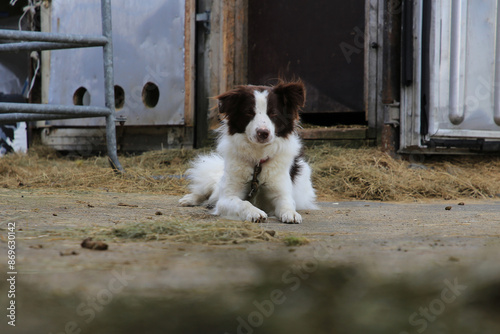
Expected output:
(223, 101)
(293, 94)
(229, 100)
(236, 107)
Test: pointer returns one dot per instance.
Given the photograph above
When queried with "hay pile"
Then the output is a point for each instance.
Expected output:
(369, 174)
(339, 173)
(41, 167)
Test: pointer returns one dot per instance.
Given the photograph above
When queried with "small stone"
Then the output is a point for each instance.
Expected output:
(95, 245)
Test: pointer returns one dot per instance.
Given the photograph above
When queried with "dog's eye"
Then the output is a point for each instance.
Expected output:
(249, 112)
(272, 113)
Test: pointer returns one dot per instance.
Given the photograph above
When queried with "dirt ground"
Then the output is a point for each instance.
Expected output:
(351, 267)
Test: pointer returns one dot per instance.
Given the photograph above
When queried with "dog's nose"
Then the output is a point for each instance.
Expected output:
(262, 134)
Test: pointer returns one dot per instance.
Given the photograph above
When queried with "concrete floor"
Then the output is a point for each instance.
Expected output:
(387, 240)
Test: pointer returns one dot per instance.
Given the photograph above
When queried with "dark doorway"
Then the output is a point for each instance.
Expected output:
(319, 41)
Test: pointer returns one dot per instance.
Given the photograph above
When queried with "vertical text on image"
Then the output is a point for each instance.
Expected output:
(11, 273)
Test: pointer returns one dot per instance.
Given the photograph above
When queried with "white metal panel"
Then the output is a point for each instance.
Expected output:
(148, 40)
(464, 55)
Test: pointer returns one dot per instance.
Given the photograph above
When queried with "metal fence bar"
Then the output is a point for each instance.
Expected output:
(34, 40)
(38, 36)
(53, 109)
(22, 117)
(109, 85)
(40, 46)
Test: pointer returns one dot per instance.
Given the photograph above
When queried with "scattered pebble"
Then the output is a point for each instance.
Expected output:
(96, 245)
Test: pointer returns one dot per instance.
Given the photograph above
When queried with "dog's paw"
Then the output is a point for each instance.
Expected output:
(189, 200)
(291, 217)
(255, 215)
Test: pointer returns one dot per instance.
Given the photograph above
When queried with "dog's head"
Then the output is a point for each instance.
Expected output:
(261, 112)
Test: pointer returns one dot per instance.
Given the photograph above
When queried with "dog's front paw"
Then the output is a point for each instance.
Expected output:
(189, 200)
(255, 215)
(291, 217)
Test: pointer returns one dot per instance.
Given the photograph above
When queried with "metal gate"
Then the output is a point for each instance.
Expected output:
(453, 102)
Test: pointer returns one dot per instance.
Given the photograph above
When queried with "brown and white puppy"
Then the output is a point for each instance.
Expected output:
(258, 169)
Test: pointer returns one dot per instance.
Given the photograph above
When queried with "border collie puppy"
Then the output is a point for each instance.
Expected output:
(258, 169)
